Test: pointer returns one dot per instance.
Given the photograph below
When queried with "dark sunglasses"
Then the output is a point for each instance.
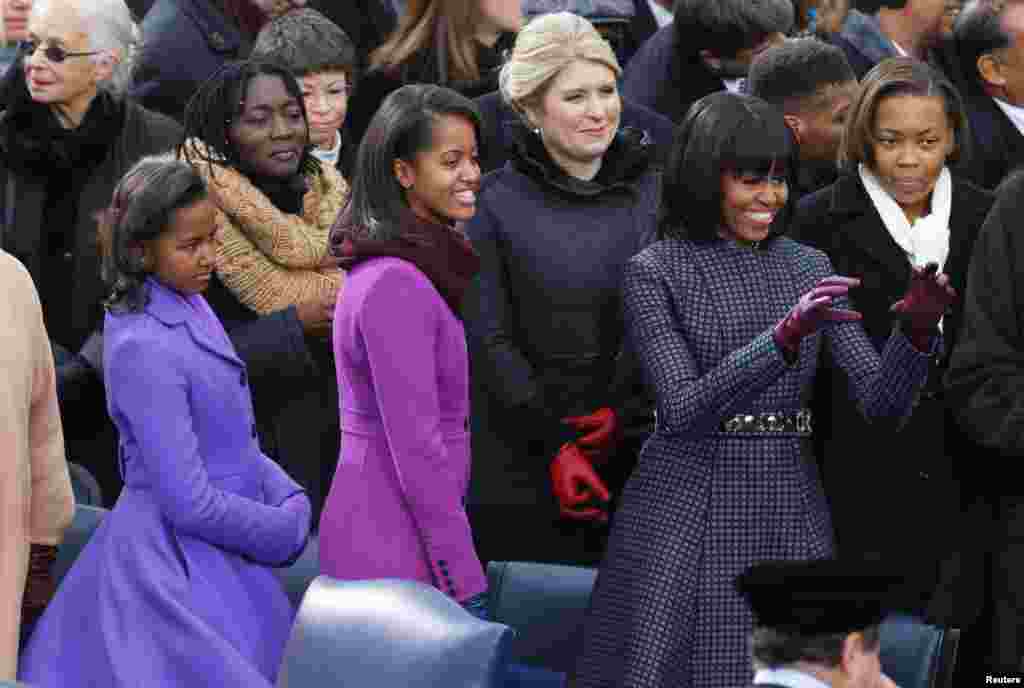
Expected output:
(53, 53)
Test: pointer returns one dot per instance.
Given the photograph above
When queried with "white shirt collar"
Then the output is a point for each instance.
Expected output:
(791, 678)
(735, 85)
(1014, 112)
(330, 157)
(661, 15)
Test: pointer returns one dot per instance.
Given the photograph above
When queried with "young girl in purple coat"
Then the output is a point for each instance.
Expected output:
(175, 587)
(395, 509)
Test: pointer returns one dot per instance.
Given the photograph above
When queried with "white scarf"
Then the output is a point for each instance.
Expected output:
(927, 240)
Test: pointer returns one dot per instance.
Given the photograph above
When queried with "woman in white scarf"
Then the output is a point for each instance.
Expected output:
(895, 208)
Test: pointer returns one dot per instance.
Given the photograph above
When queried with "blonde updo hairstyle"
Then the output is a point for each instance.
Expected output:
(543, 48)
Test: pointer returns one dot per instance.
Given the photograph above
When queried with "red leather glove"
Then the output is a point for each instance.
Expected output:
(600, 433)
(924, 304)
(577, 486)
(814, 309)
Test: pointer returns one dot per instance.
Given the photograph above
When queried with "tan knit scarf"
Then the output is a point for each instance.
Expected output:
(270, 259)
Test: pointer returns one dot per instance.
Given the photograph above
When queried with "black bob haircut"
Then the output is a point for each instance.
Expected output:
(220, 101)
(721, 132)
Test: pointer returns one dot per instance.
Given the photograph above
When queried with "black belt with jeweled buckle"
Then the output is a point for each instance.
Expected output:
(798, 422)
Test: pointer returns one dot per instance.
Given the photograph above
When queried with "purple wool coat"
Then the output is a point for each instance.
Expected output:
(395, 509)
(175, 587)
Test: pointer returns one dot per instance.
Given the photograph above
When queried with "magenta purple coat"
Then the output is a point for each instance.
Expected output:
(396, 504)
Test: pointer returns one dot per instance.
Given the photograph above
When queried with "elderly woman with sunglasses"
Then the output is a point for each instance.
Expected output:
(66, 137)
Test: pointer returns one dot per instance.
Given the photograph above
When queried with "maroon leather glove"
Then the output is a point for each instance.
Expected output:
(577, 486)
(812, 310)
(924, 304)
(600, 433)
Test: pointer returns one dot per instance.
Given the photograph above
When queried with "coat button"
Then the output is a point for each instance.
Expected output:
(68, 256)
(217, 40)
(924, 476)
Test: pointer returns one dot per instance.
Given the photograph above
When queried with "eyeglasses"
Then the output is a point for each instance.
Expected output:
(53, 53)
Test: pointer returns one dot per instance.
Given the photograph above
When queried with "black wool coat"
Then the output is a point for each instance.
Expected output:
(379, 82)
(893, 494)
(996, 147)
(184, 43)
(985, 380)
(88, 433)
(665, 79)
(544, 319)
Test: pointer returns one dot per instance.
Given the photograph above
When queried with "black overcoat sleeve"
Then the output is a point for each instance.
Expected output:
(985, 380)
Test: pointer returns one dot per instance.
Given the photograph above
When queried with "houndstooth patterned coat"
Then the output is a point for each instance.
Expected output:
(702, 505)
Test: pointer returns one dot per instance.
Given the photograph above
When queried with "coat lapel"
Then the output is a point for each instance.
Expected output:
(172, 310)
(863, 226)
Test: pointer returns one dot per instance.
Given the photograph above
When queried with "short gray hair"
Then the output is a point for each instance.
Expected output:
(110, 26)
(728, 26)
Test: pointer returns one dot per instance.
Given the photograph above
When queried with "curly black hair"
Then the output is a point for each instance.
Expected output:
(218, 103)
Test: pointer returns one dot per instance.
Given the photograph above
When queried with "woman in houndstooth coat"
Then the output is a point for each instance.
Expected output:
(728, 477)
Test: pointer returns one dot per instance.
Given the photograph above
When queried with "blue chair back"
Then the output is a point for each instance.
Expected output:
(546, 605)
(87, 519)
(917, 655)
(353, 634)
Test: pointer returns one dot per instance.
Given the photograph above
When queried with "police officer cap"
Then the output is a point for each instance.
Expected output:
(818, 597)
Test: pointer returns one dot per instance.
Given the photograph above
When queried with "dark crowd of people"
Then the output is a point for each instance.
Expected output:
(718, 297)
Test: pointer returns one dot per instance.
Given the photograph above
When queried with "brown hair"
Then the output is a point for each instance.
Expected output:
(898, 76)
(448, 27)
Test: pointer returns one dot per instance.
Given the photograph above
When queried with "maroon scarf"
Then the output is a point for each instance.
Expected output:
(441, 252)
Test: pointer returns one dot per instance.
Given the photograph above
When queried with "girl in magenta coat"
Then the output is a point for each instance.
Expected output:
(395, 508)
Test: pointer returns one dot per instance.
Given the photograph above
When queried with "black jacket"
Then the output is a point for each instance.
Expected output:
(23, 204)
(544, 319)
(500, 122)
(366, 22)
(996, 145)
(184, 43)
(910, 475)
(665, 79)
(985, 380)
(378, 83)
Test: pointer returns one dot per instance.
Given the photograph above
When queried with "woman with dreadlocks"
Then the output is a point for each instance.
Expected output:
(275, 286)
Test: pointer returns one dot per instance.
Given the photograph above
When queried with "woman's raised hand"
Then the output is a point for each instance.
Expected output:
(813, 309)
(924, 304)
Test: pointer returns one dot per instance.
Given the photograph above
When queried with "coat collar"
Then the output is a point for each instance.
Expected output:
(173, 309)
(850, 206)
